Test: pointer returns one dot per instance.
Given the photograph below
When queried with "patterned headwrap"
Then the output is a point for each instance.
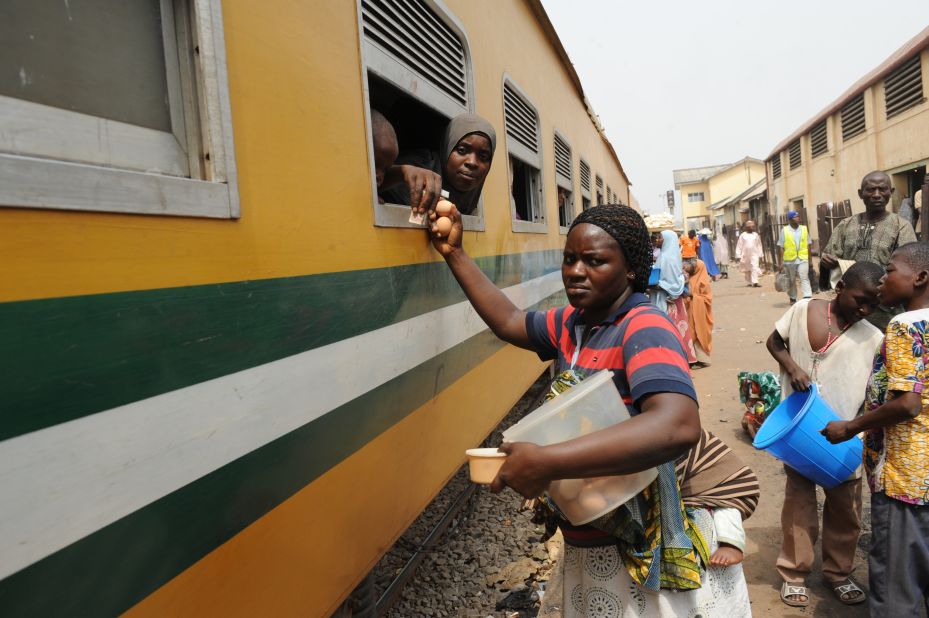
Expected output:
(626, 226)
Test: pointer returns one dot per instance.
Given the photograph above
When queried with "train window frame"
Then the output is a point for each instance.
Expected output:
(388, 68)
(524, 156)
(75, 178)
(564, 182)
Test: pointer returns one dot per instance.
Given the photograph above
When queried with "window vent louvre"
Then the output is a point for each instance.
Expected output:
(793, 152)
(563, 158)
(599, 182)
(409, 31)
(904, 87)
(776, 166)
(522, 123)
(585, 176)
(819, 144)
(853, 118)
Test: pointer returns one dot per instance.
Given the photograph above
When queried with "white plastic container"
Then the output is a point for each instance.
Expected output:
(592, 405)
(484, 463)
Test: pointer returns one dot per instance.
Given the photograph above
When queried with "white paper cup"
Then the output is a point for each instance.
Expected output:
(484, 463)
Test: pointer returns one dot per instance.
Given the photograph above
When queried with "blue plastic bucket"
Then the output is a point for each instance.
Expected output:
(791, 433)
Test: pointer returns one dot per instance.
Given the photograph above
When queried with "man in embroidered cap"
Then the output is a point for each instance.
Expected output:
(795, 245)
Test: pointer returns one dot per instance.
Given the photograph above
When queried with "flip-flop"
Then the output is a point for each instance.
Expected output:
(790, 590)
(845, 587)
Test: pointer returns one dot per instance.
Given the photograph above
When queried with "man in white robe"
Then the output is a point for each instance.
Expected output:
(748, 252)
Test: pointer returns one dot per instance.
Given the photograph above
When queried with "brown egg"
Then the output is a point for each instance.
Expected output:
(443, 226)
(568, 489)
(443, 208)
(591, 501)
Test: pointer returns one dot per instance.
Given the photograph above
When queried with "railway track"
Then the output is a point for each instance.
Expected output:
(470, 553)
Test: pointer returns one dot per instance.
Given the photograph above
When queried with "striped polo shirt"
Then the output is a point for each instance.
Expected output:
(645, 353)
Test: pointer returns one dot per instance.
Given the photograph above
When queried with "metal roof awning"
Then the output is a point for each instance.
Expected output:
(753, 192)
(755, 195)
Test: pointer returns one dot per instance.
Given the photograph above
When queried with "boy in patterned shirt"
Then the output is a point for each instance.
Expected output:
(896, 455)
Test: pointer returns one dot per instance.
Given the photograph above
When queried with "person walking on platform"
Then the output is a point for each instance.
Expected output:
(748, 252)
(795, 243)
(721, 252)
(690, 244)
(706, 253)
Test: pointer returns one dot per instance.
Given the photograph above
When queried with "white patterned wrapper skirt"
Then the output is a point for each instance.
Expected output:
(596, 585)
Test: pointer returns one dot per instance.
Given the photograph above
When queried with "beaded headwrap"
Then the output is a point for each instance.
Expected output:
(626, 226)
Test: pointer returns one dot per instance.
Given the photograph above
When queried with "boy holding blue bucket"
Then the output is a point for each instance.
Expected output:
(896, 452)
(829, 343)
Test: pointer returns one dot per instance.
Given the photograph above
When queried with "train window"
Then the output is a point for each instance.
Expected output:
(524, 154)
(418, 72)
(564, 182)
(585, 185)
(599, 183)
(118, 107)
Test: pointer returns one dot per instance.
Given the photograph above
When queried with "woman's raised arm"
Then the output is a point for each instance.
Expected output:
(506, 320)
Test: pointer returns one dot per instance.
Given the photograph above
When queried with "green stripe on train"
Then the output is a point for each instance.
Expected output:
(114, 568)
(69, 357)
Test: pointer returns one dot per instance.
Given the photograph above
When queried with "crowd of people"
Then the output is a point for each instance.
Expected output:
(866, 347)
(641, 306)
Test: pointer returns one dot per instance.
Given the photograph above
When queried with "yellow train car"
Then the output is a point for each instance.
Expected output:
(230, 376)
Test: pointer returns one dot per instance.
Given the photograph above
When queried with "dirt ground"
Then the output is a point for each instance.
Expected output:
(744, 317)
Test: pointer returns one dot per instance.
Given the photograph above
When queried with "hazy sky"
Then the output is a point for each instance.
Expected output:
(687, 84)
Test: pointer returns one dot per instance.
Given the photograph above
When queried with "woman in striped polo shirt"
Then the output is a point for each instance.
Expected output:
(656, 560)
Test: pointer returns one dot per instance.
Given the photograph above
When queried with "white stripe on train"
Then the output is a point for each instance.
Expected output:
(62, 483)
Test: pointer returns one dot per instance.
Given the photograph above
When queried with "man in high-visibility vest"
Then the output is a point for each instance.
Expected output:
(795, 242)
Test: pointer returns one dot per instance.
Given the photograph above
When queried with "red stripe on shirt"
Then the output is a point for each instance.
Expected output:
(651, 356)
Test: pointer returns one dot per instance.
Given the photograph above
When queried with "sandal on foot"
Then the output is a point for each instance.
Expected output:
(793, 590)
(848, 592)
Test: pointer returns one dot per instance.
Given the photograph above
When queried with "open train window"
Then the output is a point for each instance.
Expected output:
(564, 182)
(524, 154)
(585, 184)
(116, 107)
(418, 74)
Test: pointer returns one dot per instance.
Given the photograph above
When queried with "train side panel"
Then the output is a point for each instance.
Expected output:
(241, 416)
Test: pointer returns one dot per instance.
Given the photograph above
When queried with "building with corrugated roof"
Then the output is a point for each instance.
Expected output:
(880, 123)
(704, 189)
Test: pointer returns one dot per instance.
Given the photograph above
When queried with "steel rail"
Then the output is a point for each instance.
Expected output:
(390, 594)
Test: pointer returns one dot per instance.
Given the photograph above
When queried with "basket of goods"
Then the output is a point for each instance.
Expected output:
(760, 393)
(659, 222)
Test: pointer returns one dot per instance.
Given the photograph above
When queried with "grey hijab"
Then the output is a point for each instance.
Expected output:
(458, 128)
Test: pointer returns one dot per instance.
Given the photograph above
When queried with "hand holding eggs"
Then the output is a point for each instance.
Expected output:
(443, 226)
(443, 208)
